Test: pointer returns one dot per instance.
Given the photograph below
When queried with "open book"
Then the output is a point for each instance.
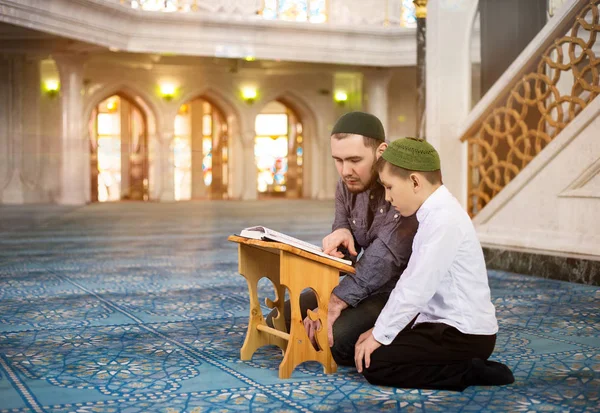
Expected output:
(264, 233)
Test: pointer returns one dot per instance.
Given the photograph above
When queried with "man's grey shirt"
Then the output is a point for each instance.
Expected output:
(381, 233)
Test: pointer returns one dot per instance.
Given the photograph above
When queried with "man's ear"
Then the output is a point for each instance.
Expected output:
(382, 147)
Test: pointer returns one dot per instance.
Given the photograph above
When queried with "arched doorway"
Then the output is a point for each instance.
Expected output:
(200, 151)
(118, 151)
(279, 151)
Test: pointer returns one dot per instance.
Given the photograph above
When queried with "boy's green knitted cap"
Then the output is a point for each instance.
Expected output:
(413, 154)
(360, 123)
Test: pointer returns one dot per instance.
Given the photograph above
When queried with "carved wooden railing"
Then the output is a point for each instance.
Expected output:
(548, 85)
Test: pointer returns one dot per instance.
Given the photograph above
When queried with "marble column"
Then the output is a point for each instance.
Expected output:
(249, 191)
(377, 83)
(11, 109)
(74, 152)
(33, 165)
(421, 14)
(5, 104)
(449, 30)
(19, 114)
(167, 162)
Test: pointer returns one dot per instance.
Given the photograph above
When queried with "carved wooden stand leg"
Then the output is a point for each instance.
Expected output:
(298, 273)
(255, 264)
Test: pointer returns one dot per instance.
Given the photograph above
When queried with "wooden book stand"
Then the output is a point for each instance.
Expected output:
(294, 269)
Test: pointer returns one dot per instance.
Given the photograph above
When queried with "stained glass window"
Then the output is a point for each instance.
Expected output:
(293, 10)
(200, 151)
(314, 11)
(271, 161)
(109, 150)
(271, 124)
(161, 5)
(109, 168)
(155, 5)
(271, 147)
(299, 151)
(270, 10)
(182, 154)
(109, 124)
(207, 124)
(207, 160)
(317, 11)
(408, 18)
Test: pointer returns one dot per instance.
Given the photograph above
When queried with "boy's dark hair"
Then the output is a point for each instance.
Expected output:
(433, 177)
(369, 142)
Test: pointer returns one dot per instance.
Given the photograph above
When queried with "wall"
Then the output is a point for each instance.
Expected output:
(402, 101)
(307, 89)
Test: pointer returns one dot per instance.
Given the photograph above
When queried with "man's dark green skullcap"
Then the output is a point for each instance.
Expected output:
(413, 154)
(360, 123)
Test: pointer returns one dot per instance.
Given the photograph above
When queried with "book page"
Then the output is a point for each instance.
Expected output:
(293, 240)
(260, 232)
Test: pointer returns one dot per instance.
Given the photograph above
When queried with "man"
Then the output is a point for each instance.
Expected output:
(364, 223)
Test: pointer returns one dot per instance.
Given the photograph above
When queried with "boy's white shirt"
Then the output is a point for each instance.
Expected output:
(446, 278)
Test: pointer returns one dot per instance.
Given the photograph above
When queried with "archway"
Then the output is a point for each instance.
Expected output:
(279, 151)
(201, 151)
(118, 151)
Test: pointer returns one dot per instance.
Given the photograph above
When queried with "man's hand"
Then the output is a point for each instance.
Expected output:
(363, 349)
(336, 305)
(341, 236)
(311, 329)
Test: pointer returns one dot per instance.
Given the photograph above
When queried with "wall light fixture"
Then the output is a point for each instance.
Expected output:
(51, 87)
(249, 94)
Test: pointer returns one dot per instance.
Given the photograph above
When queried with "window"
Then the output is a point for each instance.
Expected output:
(155, 5)
(314, 11)
(271, 151)
(408, 18)
(182, 154)
(109, 149)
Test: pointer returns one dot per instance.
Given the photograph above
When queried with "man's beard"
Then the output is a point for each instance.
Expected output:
(367, 185)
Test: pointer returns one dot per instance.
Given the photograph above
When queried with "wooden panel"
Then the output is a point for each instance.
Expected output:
(297, 274)
(254, 264)
(271, 245)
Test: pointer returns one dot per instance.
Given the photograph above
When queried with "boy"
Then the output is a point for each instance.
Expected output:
(438, 327)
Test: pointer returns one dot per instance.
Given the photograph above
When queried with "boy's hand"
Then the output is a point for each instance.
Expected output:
(363, 349)
(341, 236)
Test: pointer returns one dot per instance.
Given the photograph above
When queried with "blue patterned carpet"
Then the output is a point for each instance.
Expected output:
(136, 307)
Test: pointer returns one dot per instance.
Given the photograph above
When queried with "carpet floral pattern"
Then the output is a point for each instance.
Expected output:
(140, 308)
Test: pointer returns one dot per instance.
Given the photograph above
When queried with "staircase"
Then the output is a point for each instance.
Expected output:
(534, 154)
(550, 86)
